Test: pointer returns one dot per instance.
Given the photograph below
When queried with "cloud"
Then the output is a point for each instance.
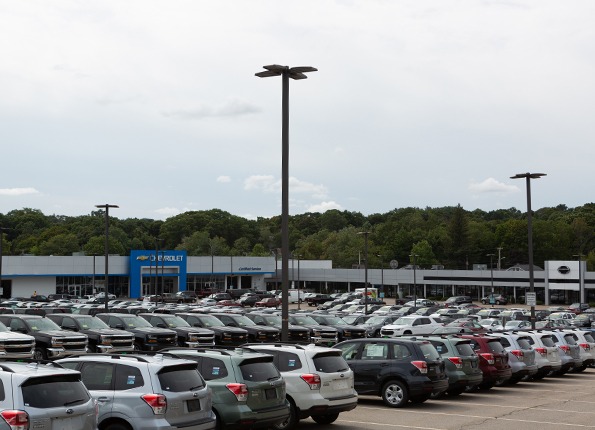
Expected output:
(224, 179)
(168, 211)
(491, 185)
(231, 108)
(17, 191)
(268, 184)
(324, 206)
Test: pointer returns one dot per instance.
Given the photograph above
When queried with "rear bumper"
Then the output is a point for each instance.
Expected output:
(436, 386)
(334, 406)
(244, 417)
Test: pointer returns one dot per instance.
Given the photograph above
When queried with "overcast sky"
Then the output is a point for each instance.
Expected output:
(154, 106)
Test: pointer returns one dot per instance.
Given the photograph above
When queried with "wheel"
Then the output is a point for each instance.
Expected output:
(498, 302)
(483, 302)
(300, 301)
(486, 385)
(407, 332)
(291, 420)
(579, 369)
(39, 354)
(455, 392)
(395, 394)
(325, 419)
(137, 347)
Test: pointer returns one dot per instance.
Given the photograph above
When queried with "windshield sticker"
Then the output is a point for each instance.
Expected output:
(130, 380)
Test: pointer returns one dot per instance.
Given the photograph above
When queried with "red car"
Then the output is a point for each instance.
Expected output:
(227, 303)
(269, 302)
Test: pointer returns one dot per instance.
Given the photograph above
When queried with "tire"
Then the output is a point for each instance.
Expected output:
(483, 302)
(579, 369)
(455, 392)
(484, 386)
(421, 399)
(137, 347)
(39, 354)
(117, 426)
(395, 394)
(291, 420)
(325, 419)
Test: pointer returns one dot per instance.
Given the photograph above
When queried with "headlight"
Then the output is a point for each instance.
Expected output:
(346, 332)
(317, 332)
(105, 340)
(193, 338)
(226, 334)
(260, 333)
(56, 341)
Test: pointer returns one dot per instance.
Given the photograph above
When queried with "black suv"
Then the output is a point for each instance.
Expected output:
(296, 333)
(256, 333)
(398, 370)
(345, 331)
(146, 337)
(192, 337)
(50, 340)
(101, 338)
(457, 300)
(318, 299)
(224, 335)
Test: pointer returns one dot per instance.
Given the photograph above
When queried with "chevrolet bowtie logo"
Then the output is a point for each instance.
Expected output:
(142, 258)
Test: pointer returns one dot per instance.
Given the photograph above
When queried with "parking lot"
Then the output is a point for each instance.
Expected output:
(565, 402)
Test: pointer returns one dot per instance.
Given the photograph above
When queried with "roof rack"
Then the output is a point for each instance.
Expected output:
(136, 355)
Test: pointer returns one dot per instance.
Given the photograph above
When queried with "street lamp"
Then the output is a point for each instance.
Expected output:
(294, 73)
(365, 233)
(2, 230)
(528, 177)
(414, 256)
(106, 207)
(581, 292)
(381, 272)
(492, 277)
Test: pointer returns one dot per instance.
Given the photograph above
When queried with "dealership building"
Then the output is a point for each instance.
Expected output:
(150, 272)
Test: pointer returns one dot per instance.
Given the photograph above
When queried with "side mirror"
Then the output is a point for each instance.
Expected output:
(160, 325)
(119, 326)
(196, 324)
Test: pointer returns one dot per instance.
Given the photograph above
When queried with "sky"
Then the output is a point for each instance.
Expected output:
(154, 105)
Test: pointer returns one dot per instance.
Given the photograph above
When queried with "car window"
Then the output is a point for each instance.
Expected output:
(400, 351)
(98, 376)
(375, 351)
(429, 351)
(570, 340)
(258, 370)
(180, 378)
(349, 351)
(496, 346)
(2, 393)
(440, 347)
(212, 368)
(589, 338)
(464, 349)
(329, 363)
(547, 341)
(286, 361)
(54, 391)
(505, 343)
(128, 377)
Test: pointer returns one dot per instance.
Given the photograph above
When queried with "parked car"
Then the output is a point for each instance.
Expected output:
(268, 302)
(224, 335)
(494, 299)
(44, 397)
(317, 299)
(493, 359)
(329, 383)
(50, 340)
(410, 324)
(374, 324)
(547, 355)
(344, 331)
(457, 300)
(137, 392)
(146, 337)
(586, 342)
(570, 352)
(295, 333)
(15, 345)
(399, 370)
(192, 337)
(521, 356)
(247, 389)
(256, 333)
(102, 338)
(319, 334)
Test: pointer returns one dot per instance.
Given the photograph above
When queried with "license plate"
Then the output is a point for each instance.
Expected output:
(340, 385)
(270, 393)
(193, 405)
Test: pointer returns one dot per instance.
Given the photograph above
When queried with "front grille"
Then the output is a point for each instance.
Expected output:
(73, 343)
(356, 334)
(166, 338)
(299, 335)
(18, 346)
(119, 341)
(328, 335)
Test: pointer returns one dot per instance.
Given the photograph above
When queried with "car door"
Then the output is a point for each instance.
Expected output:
(99, 379)
(372, 366)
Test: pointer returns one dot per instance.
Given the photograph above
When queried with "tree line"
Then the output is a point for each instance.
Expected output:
(449, 236)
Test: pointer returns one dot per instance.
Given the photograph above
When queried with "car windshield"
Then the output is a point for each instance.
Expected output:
(376, 320)
(210, 321)
(333, 321)
(404, 321)
(243, 321)
(496, 346)
(465, 349)
(55, 391)
(91, 323)
(175, 321)
(524, 342)
(3, 327)
(547, 341)
(303, 320)
(135, 322)
(42, 324)
(429, 351)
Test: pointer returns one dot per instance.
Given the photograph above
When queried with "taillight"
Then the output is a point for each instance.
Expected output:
(422, 366)
(157, 402)
(542, 351)
(17, 420)
(585, 346)
(457, 361)
(239, 390)
(312, 379)
(518, 353)
(487, 356)
(565, 348)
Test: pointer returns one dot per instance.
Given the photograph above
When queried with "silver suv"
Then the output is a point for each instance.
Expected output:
(319, 382)
(45, 397)
(141, 392)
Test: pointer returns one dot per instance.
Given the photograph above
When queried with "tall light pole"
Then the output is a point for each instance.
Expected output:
(492, 299)
(298, 287)
(2, 230)
(414, 256)
(294, 73)
(106, 207)
(581, 291)
(528, 177)
(365, 233)
(381, 273)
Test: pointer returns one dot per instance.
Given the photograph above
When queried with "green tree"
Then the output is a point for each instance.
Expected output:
(425, 256)
(60, 244)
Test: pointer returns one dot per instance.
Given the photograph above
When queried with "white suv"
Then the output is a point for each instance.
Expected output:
(410, 324)
(319, 381)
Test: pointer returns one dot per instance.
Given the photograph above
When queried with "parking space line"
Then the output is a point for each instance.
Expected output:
(388, 425)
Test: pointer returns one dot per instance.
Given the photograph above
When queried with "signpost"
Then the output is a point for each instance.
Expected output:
(531, 299)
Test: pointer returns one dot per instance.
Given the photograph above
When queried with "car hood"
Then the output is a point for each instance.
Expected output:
(61, 333)
(107, 331)
(151, 330)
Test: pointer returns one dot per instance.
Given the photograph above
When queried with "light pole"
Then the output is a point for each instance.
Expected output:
(381, 273)
(106, 207)
(2, 230)
(492, 299)
(528, 177)
(294, 73)
(298, 287)
(414, 256)
(581, 292)
(365, 233)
